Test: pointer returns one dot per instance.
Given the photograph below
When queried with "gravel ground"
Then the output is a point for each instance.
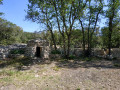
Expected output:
(70, 75)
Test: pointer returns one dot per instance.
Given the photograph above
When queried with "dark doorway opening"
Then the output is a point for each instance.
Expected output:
(38, 52)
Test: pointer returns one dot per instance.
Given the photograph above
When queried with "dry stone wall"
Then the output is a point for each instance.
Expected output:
(116, 52)
(5, 50)
(95, 52)
(31, 49)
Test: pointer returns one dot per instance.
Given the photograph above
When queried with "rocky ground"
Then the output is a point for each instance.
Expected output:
(62, 75)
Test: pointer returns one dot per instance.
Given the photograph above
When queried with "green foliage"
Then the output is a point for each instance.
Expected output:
(117, 65)
(78, 89)
(1, 1)
(1, 13)
(76, 38)
(72, 57)
(11, 33)
(17, 51)
(115, 39)
(55, 52)
(64, 15)
(26, 36)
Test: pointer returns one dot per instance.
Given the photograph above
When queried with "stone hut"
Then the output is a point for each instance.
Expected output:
(37, 48)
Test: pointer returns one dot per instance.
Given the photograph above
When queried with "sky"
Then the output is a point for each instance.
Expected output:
(14, 11)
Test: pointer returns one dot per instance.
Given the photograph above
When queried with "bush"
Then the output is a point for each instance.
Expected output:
(117, 65)
(17, 51)
(55, 52)
(72, 57)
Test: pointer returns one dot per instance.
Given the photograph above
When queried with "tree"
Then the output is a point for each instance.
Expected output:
(65, 13)
(113, 8)
(77, 38)
(60, 26)
(40, 11)
(1, 13)
(9, 33)
(46, 11)
(90, 18)
(26, 36)
(80, 12)
(115, 37)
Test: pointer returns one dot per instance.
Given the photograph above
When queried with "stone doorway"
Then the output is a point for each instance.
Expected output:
(37, 48)
(38, 51)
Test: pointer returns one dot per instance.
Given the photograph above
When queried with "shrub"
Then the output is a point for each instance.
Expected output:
(17, 51)
(117, 65)
(55, 52)
(78, 89)
(72, 57)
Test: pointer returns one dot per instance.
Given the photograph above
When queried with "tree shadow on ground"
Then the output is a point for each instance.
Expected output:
(26, 63)
(23, 63)
(94, 62)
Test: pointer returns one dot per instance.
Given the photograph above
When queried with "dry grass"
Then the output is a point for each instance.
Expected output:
(61, 75)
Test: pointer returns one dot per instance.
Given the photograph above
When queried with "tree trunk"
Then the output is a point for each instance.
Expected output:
(109, 46)
(53, 39)
(64, 47)
(68, 49)
(83, 42)
(111, 26)
(88, 50)
(83, 33)
(90, 47)
(110, 33)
